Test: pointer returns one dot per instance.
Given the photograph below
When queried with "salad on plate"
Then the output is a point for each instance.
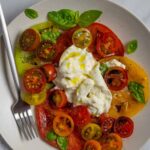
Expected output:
(84, 90)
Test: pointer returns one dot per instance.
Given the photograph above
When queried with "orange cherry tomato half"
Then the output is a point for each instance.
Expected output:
(58, 98)
(34, 80)
(46, 51)
(106, 123)
(80, 115)
(124, 126)
(49, 71)
(92, 145)
(29, 40)
(63, 124)
(111, 141)
(116, 78)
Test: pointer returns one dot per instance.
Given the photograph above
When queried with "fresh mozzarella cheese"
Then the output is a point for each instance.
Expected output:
(94, 93)
(78, 73)
(115, 63)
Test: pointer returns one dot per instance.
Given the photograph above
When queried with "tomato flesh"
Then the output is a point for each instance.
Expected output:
(58, 98)
(80, 115)
(111, 141)
(63, 124)
(116, 78)
(106, 123)
(124, 126)
(49, 71)
(82, 38)
(92, 145)
(29, 40)
(34, 80)
(105, 43)
(46, 51)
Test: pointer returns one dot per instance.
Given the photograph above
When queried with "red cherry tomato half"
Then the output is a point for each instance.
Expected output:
(29, 40)
(106, 123)
(46, 51)
(124, 126)
(116, 78)
(80, 115)
(49, 71)
(58, 98)
(105, 43)
(34, 80)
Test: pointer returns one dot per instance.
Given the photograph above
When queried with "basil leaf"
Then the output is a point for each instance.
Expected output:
(64, 18)
(88, 17)
(103, 68)
(136, 90)
(132, 46)
(50, 35)
(31, 13)
(51, 136)
(62, 142)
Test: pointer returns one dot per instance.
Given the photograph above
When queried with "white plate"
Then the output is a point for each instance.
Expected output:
(125, 25)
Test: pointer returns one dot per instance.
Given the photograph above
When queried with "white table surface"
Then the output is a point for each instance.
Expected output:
(140, 8)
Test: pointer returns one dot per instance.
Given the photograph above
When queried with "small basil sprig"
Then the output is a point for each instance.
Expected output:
(51, 136)
(31, 13)
(50, 34)
(132, 46)
(103, 68)
(66, 18)
(136, 90)
(88, 17)
(62, 142)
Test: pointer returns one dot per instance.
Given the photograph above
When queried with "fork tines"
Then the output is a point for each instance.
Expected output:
(26, 124)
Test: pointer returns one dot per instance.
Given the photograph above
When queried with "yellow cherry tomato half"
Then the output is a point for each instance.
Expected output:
(91, 131)
(82, 38)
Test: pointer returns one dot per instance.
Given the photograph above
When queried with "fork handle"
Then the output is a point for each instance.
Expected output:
(9, 50)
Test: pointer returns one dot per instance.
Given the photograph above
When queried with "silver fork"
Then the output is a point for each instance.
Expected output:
(21, 111)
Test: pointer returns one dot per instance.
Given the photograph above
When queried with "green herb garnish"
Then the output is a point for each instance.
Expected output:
(62, 142)
(88, 17)
(51, 136)
(132, 46)
(66, 18)
(31, 13)
(136, 90)
(103, 68)
(50, 35)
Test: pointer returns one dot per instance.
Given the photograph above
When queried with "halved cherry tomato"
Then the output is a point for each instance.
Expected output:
(80, 115)
(58, 97)
(91, 131)
(34, 80)
(106, 123)
(82, 38)
(49, 71)
(63, 42)
(46, 51)
(92, 145)
(124, 126)
(63, 124)
(111, 141)
(116, 78)
(29, 40)
(105, 43)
